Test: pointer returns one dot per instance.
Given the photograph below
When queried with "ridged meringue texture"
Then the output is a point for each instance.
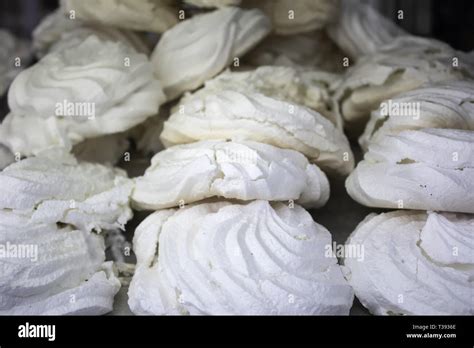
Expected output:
(57, 32)
(60, 271)
(429, 169)
(441, 105)
(243, 115)
(199, 48)
(223, 258)
(360, 29)
(95, 79)
(291, 84)
(292, 17)
(54, 187)
(145, 15)
(244, 171)
(213, 3)
(405, 64)
(415, 263)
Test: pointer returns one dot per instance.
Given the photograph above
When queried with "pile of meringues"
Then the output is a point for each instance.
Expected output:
(258, 96)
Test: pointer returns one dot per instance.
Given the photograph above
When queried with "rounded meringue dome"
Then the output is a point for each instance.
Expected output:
(210, 41)
(405, 64)
(429, 169)
(441, 105)
(414, 263)
(146, 15)
(54, 187)
(243, 171)
(59, 32)
(361, 30)
(94, 76)
(292, 17)
(221, 258)
(62, 273)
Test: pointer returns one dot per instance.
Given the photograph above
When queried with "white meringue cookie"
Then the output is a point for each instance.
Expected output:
(60, 271)
(404, 65)
(53, 187)
(294, 85)
(309, 50)
(440, 105)
(429, 169)
(58, 32)
(11, 48)
(6, 157)
(292, 17)
(240, 115)
(213, 3)
(146, 15)
(236, 259)
(244, 171)
(210, 41)
(94, 76)
(361, 30)
(414, 263)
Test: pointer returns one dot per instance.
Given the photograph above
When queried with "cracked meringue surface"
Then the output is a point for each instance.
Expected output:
(428, 169)
(144, 15)
(415, 263)
(405, 64)
(223, 258)
(59, 32)
(211, 41)
(72, 76)
(360, 29)
(441, 105)
(244, 171)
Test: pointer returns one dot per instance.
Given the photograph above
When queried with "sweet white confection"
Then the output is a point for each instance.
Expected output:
(240, 115)
(199, 48)
(291, 84)
(213, 3)
(94, 89)
(429, 169)
(11, 49)
(414, 263)
(404, 65)
(108, 149)
(310, 50)
(58, 32)
(441, 105)
(6, 157)
(244, 171)
(219, 258)
(46, 269)
(53, 187)
(146, 15)
(292, 17)
(362, 30)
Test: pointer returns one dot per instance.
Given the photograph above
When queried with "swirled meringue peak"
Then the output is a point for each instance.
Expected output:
(60, 32)
(440, 105)
(50, 270)
(428, 169)
(405, 64)
(223, 258)
(94, 89)
(146, 15)
(361, 30)
(210, 41)
(414, 263)
(244, 171)
(246, 115)
(292, 17)
(53, 187)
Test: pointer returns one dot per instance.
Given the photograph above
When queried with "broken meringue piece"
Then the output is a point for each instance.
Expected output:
(244, 171)
(439, 105)
(415, 263)
(210, 42)
(219, 258)
(145, 15)
(428, 169)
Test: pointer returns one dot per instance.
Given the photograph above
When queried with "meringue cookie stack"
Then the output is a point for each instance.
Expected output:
(417, 262)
